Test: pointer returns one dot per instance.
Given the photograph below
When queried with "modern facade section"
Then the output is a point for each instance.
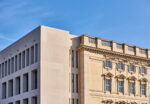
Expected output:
(51, 66)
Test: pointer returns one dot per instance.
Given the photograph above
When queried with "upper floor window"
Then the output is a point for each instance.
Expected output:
(132, 87)
(92, 40)
(108, 64)
(108, 85)
(120, 46)
(72, 58)
(107, 43)
(130, 48)
(143, 89)
(120, 66)
(120, 86)
(132, 68)
(142, 50)
(143, 70)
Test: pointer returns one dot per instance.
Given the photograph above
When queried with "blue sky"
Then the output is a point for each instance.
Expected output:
(126, 21)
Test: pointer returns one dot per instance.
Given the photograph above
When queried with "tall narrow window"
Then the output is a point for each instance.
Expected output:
(10, 86)
(23, 59)
(32, 54)
(34, 79)
(77, 101)
(73, 101)
(25, 82)
(25, 101)
(108, 85)
(27, 58)
(5, 68)
(120, 86)
(0, 71)
(132, 68)
(72, 58)
(9, 67)
(143, 70)
(108, 64)
(16, 63)
(72, 82)
(36, 52)
(17, 85)
(34, 100)
(77, 83)
(143, 89)
(4, 90)
(12, 65)
(120, 66)
(77, 59)
(17, 102)
(132, 87)
(20, 61)
(3, 71)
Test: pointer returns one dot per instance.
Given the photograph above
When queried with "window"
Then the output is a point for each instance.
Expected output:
(77, 101)
(32, 54)
(143, 89)
(72, 101)
(107, 43)
(108, 85)
(10, 86)
(5, 68)
(12, 65)
(36, 52)
(19, 61)
(119, 46)
(10, 103)
(23, 59)
(120, 66)
(17, 102)
(4, 90)
(17, 85)
(77, 83)
(143, 70)
(25, 82)
(77, 55)
(34, 79)
(108, 64)
(72, 58)
(72, 82)
(132, 87)
(130, 48)
(34, 100)
(120, 86)
(27, 58)
(9, 67)
(132, 68)
(16, 63)
(25, 101)
(0, 71)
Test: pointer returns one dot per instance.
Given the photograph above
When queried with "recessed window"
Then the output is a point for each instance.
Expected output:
(143, 70)
(92, 40)
(34, 100)
(108, 85)
(143, 89)
(120, 66)
(108, 64)
(25, 82)
(107, 43)
(17, 85)
(132, 68)
(120, 46)
(72, 80)
(130, 48)
(34, 79)
(10, 88)
(4, 90)
(132, 87)
(72, 58)
(26, 101)
(120, 86)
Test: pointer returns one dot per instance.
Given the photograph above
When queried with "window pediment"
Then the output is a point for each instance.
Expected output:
(108, 74)
(132, 78)
(121, 76)
(143, 79)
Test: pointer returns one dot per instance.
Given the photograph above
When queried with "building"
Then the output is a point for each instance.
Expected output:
(51, 66)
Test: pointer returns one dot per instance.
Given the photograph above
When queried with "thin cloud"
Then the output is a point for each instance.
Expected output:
(6, 38)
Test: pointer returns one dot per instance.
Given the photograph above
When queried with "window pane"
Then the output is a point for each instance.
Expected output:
(108, 64)
(108, 85)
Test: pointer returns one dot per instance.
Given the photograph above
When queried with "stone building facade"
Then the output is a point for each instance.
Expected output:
(52, 66)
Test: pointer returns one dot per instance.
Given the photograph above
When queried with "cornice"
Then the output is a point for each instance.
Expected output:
(112, 53)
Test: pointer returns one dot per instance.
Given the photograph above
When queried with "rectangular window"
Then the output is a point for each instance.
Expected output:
(132, 87)
(72, 101)
(130, 48)
(120, 86)
(17, 85)
(77, 59)
(4, 90)
(12, 65)
(5, 68)
(72, 82)
(17, 102)
(20, 61)
(107, 43)
(27, 57)
(16, 63)
(108, 64)
(77, 83)
(10, 103)
(77, 101)
(25, 82)
(32, 54)
(23, 59)
(143, 89)
(0, 71)
(92, 40)
(10, 86)
(120, 66)
(120, 46)
(36, 52)
(34, 100)
(34, 79)
(108, 85)
(25, 101)
(143, 70)
(72, 58)
(132, 67)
